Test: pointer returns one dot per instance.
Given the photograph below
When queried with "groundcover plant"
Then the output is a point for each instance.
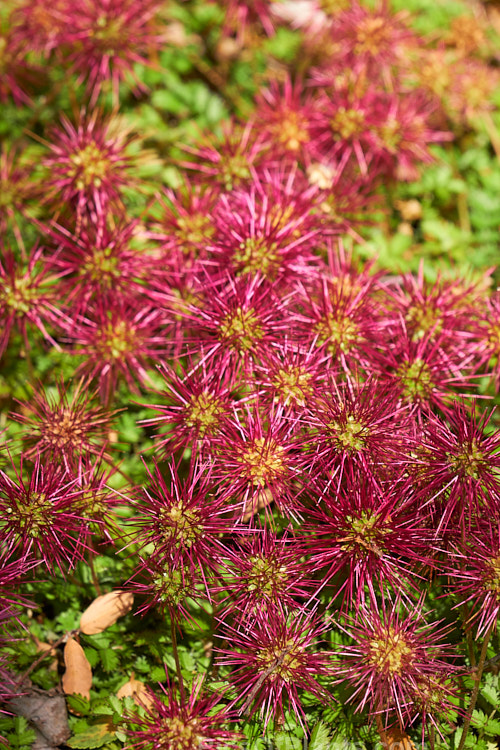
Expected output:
(250, 361)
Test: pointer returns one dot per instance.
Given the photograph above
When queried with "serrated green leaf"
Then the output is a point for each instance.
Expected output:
(490, 694)
(493, 727)
(92, 655)
(320, 737)
(102, 709)
(479, 719)
(96, 735)
(141, 664)
(23, 735)
(109, 659)
(78, 704)
(115, 704)
(69, 620)
(286, 741)
(186, 660)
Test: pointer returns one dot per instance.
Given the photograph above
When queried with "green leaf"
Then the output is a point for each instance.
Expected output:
(284, 44)
(141, 664)
(168, 102)
(490, 694)
(320, 737)
(471, 740)
(115, 704)
(127, 426)
(96, 735)
(186, 660)
(109, 659)
(22, 736)
(102, 709)
(69, 620)
(286, 741)
(92, 655)
(493, 727)
(479, 719)
(78, 704)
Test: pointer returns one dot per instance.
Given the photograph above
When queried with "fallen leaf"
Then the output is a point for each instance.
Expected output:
(78, 675)
(97, 734)
(410, 210)
(227, 48)
(137, 690)
(208, 648)
(175, 34)
(397, 740)
(261, 500)
(105, 611)
(42, 743)
(46, 710)
(45, 648)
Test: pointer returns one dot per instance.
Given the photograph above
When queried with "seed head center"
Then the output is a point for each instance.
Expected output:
(293, 385)
(18, 296)
(180, 524)
(203, 412)
(63, 428)
(372, 35)
(492, 577)
(176, 734)
(416, 380)
(263, 461)
(241, 329)
(285, 658)
(291, 131)
(339, 332)
(266, 576)
(33, 514)
(348, 123)
(469, 461)
(256, 254)
(349, 434)
(90, 166)
(390, 654)
(115, 340)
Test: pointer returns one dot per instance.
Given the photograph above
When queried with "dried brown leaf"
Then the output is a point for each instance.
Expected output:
(46, 648)
(105, 611)
(78, 675)
(175, 34)
(398, 740)
(252, 506)
(46, 710)
(136, 690)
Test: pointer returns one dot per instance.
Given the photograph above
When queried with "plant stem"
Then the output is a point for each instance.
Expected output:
(381, 730)
(468, 636)
(42, 656)
(432, 737)
(245, 709)
(492, 132)
(177, 662)
(475, 692)
(93, 573)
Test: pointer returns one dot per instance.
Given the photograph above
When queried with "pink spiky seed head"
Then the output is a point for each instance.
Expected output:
(28, 294)
(170, 722)
(88, 163)
(392, 654)
(65, 427)
(40, 518)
